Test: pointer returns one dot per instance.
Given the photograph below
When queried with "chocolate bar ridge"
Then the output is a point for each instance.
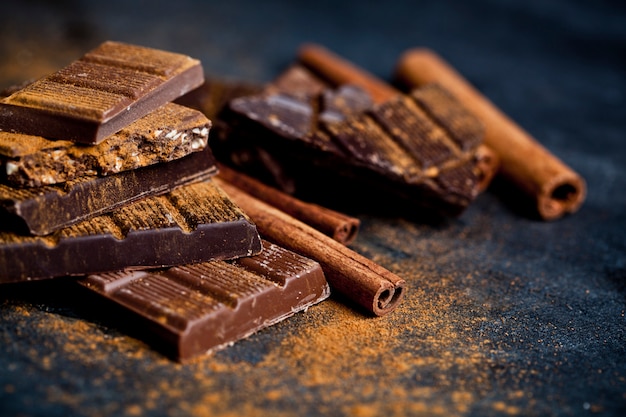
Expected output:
(193, 223)
(95, 96)
(167, 133)
(52, 207)
(204, 307)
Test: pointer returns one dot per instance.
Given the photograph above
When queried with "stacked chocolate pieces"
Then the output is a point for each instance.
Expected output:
(104, 176)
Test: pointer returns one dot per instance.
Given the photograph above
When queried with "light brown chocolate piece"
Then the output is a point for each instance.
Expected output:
(167, 133)
(102, 92)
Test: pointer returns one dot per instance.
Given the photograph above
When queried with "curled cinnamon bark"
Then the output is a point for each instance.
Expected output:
(556, 188)
(337, 225)
(357, 278)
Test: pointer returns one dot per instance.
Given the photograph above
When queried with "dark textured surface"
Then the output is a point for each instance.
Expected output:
(505, 315)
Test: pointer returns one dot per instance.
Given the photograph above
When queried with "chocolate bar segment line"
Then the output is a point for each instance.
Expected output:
(49, 208)
(193, 223)
(100, 93)
(204, 307)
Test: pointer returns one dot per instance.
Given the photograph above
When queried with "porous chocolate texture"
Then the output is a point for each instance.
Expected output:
(195, 309)
(43, 210)
(165, 134)
(419, 147)
(100, 93)
(193, 223)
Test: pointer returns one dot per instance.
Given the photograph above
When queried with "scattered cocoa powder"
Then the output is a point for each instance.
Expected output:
(428, 357)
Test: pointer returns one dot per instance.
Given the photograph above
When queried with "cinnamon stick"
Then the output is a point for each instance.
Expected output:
(332, 223)
(556, 188)
(350, 274)
(339, 71)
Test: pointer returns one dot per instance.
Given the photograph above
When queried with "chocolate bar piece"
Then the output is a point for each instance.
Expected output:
(49, 208)
(167, 133)
(193, 223)
(419, 147)
(95, 96)
(196, 309)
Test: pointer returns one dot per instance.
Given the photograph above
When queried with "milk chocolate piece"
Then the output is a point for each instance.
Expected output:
(167, 133)
(196, 309)
(194, 223)
(100, 93)
(49, 208)
(419, 147)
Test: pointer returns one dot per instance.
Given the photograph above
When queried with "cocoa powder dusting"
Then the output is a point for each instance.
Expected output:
(427, 358)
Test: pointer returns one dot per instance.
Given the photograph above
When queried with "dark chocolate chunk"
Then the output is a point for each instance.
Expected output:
(196, 309)
(49, 208)
(167, 133)
(193, 223)
(419, 147)
(100, 93)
